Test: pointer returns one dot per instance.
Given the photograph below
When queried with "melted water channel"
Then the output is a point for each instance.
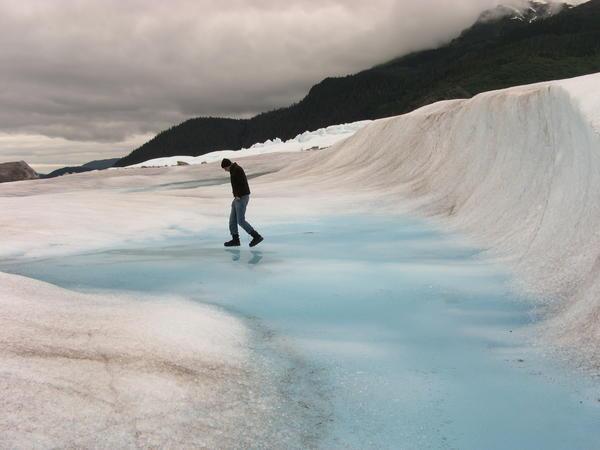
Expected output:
(418, 339)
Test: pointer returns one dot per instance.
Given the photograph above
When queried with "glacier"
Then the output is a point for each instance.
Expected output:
(512, 172)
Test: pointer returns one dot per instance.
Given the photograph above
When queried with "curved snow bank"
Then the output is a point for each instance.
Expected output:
(112, 372)
(309, 140)
(518, 169)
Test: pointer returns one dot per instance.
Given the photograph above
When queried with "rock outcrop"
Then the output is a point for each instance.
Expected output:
(16, 171)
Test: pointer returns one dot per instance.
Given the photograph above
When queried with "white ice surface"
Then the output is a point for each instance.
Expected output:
(116, 371)
(321, 138)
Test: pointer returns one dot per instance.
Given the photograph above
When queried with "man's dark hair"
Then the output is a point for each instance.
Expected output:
(225, 163)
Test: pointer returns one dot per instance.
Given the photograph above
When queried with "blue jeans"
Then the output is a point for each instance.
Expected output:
(238, 216)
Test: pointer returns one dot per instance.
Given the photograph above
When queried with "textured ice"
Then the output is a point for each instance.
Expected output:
(76, 367)
(119, 371)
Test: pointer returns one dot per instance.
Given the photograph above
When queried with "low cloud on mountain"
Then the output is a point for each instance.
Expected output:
(101, 74)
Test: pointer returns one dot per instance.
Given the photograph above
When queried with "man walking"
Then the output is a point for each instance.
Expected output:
(241, 194)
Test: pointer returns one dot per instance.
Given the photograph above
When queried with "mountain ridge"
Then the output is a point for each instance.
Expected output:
(98, 164)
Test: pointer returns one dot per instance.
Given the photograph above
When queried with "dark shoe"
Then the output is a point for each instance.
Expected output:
(235, 242)
(256, 239)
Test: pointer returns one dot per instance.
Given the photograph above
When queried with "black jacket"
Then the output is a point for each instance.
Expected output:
(239, 182)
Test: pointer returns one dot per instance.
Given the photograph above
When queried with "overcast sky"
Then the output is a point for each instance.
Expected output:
(83, 80)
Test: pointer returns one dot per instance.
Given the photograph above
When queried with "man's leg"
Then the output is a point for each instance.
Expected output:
(235, 238)
(233, 227)
(241, 218)
(240, 212)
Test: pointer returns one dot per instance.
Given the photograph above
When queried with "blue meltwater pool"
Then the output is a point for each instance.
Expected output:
(412, 339)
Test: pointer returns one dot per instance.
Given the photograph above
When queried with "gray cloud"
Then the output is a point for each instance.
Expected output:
(108, 71)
